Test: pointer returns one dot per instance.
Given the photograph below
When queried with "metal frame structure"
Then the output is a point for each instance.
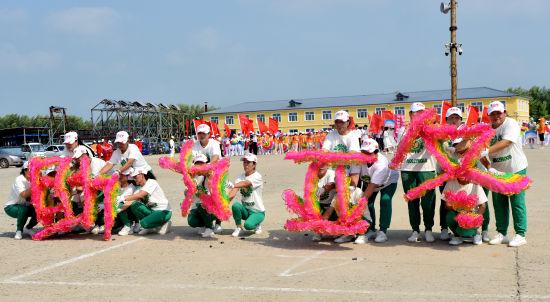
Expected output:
(58, 124)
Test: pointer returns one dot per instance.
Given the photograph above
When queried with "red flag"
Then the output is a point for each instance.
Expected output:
(186, 127)
(227, 130)
(247, 125)
(351, 125)
(261, 126)
(215, 129)
(444, 107)
(273, 125)
(375, 123)
(473, 116)
(198, 122)
(387, 115)
(485, 115)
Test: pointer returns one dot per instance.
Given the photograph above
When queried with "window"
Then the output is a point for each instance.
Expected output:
(362, 113)
(437, 108)
(260, 117)
(310, 130)
(327, 115)
(51, 148)
(214, 119)
(309, 116)
(379, 110)
(293, 117)
(478, 105)
(461, 106)
(229, 120)
(292, 131)
(399, 110)
(325, 129)
(276, 116)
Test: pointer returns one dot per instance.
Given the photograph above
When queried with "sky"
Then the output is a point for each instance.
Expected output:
(76, 53)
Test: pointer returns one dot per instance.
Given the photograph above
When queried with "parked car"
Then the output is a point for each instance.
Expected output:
(31, 150)
(10, 158)
(54, 150)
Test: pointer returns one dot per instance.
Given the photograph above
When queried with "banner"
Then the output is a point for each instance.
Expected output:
(444, 107)
(473, 116)
(227, 130)
(262, 126)
(273, 125)
(485, 115)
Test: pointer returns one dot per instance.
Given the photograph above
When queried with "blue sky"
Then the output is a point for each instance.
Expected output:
(75, 53)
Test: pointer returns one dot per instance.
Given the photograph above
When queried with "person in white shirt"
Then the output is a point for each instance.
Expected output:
(326, 190)
(251, 208)
(18, 205)
(506, 155)
(126, 218)
(418, 167)
(149, 204)
(206, 145)
(172, 147)
(71, 142)
(127, 156)
(198, 218)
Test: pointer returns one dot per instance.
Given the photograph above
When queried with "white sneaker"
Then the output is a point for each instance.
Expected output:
(371, 234)
(343, 238)
(208, 233)
(29, 232)
(485, 236)
(498, 239)
(429, 236)
(456, 241)
(414, 237)
(165, 228)
(316, 237)
(478, 239)
(236, 232)
(380, 237)
(18, 235)
(137, 227)
(126, 230)
(200, 230)
(258, 230)
(518, 240)
(444, 235)
(146, 231)
(95, 230)
(361, 239)
(218, 229)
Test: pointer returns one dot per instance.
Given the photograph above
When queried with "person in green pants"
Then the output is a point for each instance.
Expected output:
(149, 204)
(251, 209)
(198, 218)
(18, 205)
(506, 155)
(126, 218)
(417, 168)
(326, 190)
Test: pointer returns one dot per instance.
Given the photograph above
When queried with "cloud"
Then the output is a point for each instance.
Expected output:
(13, 16)
(12, 59)
(83, 20)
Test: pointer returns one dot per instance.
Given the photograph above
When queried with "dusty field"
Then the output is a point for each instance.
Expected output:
(277, 265)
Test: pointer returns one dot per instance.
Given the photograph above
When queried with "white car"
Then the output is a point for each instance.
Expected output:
(54, 150)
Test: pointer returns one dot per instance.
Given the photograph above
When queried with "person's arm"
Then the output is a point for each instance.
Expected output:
(481, 208)
(242, 184)
(369, 190)
(499, 146)
(108, 166)
(354, 179)
(127, 165)
(329, 187)
(25, 194)
(214, 158)
(328, 212)
(130, 199)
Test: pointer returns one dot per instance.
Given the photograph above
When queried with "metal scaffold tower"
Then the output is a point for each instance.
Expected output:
(58, 123)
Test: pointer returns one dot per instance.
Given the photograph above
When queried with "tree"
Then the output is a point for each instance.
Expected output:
(539, 100)
(16, 120)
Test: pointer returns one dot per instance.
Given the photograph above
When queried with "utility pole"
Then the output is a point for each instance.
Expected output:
(453, 47)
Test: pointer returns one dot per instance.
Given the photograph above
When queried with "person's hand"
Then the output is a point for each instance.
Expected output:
(485, 153)
(496, 172)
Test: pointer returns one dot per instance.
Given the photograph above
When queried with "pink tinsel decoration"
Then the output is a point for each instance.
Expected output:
(461, 201)
(469, 220)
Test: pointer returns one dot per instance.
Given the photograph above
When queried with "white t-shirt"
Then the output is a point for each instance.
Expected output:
(511, 159)
(419, 159)
(326, 197)
(156, 195)
(211, 149)
(201, 188)
(379, 173)
(335, 142)
(172, 144)
(252, 196)
(355, 194)
(96, 164)
(20, 185)
(470, 188)
(131, 153)
(127, 191)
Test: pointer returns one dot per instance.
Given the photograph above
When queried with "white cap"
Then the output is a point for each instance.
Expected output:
(26, 165)
(454, 110)
(342, 115)
(496, 106)
(203, 128)
(250, 157)
(369, 145)
(138, 171)
(128, 171)
(122, 137)
(457, 140)
(70, 137)
(417, 106)
(199, 157)
(78, 151)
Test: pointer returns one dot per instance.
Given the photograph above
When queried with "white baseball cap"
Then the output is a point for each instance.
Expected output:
(341, 115)
(26, 165)
(369, 145)
(496, 106)
(417, 106)
(199, 157)
(250, 157)
(122, 137)
(457, 140)
(454, 110)
(128, 171)
(78, 151)
(138, 171)
(203, 128)
(70, 137)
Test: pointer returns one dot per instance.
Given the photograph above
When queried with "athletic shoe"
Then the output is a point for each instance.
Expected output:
(343, 239)
(29, 232)
(485, 236)
(126, 230)
(414, 237)
(371, 234)
(477, 239)
(18, 235)
(499, 239)
(518, 240)
(147, 231)
(258, 230)
(208, 233)
(456, 241)
(236, 232)
(137, 227)
(165, 228)
(218, 229)
(95, 230)
(200, 230)
(429, 236)
(316, 237)
(361, 239)
(444, 235)
(380, 237)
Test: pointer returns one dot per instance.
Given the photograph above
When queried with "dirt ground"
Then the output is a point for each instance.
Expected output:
(277, 265)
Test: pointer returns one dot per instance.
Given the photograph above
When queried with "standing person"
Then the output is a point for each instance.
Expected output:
(253, 146)
(389, 139)
(251, 209)
(541, 130)
(172, 146)
(18, 205)
(417, 168)
(71, 142)
(127, 156)
(148, 204)
(506, 155)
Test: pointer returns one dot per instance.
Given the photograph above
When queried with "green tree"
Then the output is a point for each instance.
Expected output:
(539, 100)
